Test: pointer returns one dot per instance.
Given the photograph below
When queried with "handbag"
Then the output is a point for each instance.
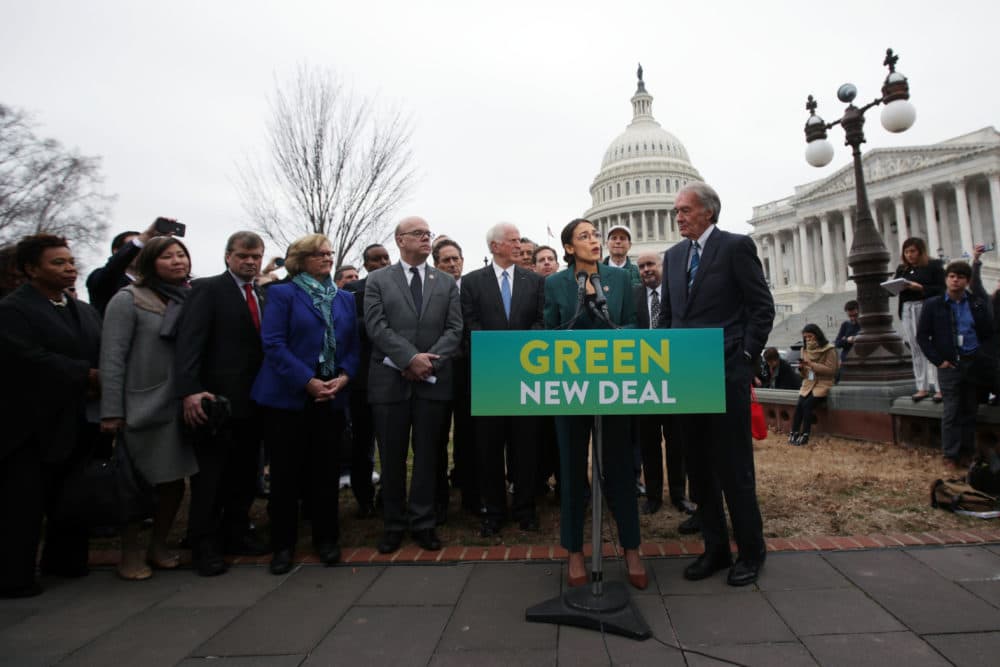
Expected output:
(758, 423)
(106, 492)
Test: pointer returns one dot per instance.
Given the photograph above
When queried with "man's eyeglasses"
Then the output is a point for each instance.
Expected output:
(418, 234)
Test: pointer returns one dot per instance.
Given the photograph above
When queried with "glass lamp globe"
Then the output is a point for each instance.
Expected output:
(898, 116)
(819, 152)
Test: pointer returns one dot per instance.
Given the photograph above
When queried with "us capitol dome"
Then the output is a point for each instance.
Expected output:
(640, 175)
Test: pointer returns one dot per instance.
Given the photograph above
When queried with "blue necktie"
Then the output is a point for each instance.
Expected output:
(505, 293)
(695, 259)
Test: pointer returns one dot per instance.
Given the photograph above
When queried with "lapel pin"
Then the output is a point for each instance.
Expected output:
(606, 288)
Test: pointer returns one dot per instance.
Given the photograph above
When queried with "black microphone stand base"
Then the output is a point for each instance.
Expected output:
(611, 611)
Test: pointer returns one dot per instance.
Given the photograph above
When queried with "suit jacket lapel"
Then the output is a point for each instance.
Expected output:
(403, 282)
(521, 292)
(678, 279)
(237, 299)
(708, 254)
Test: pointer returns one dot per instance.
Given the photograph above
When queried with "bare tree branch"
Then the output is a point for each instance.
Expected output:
(45, 187)
(336, 165)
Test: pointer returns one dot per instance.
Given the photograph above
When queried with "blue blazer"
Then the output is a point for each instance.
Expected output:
(292, 335)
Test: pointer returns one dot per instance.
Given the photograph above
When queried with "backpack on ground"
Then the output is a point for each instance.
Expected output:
(955, 495)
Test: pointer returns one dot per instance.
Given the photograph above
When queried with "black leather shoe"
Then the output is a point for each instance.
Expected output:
(329, 554)
(706, 565)
(390, 542)
(745, 571)
(427, 539)
(690, 525)
(530, 524)
(207, 560)
(281, 562)
(489, 528)
(652, 506)
(246, 544)
(684, 505)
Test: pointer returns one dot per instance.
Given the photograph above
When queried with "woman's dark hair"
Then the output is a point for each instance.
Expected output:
(920, 245)
(146, 261)
(815, 331)
(567, 237)
(30, 248)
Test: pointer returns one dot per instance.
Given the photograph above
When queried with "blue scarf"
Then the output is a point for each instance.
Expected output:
(322, 294)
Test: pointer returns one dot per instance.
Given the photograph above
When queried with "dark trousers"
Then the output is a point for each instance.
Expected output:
(223, 490)
(29, 491)
(959, 408)
(718, 452)
(463, 442)
(574, 434)
(802, 421)
(394, 423)
(304, 463)
(362, 447)
(494, 437)
(654, 434)
(548, 451)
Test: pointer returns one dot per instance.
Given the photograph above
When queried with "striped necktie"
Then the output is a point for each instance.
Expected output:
(695, 260)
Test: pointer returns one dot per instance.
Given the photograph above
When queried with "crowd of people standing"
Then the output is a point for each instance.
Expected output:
(192, 375)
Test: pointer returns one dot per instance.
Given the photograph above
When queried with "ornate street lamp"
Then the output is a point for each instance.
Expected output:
(878, 354)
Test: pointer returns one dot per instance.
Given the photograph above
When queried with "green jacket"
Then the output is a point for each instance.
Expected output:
(632, 269)
(561, 300)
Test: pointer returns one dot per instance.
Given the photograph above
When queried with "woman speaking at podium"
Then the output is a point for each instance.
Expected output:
(572, 301)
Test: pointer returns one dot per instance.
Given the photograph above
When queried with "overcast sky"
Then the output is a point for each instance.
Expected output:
(513, 103)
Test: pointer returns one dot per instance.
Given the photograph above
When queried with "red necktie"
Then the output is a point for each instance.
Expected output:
(252, 303)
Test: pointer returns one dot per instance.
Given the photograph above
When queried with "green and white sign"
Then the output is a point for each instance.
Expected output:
(601, 371)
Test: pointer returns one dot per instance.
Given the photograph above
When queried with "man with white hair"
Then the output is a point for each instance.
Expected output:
(504, 296)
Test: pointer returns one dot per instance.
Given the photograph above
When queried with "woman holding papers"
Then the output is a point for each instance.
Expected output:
(572, 301)
(925, 278)
(310, 337)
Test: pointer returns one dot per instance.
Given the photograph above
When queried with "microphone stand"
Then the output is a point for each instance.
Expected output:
(604, 606)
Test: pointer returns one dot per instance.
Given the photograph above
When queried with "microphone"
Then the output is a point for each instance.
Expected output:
(581, 285)
(601, 301)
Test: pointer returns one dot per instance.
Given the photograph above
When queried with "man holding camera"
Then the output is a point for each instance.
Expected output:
(218, 356)
(119, 272)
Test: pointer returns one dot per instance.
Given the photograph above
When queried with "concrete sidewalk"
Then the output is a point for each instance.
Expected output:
(895, 606)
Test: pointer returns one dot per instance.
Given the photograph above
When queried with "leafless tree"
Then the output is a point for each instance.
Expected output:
(337, 165)
(45, 187)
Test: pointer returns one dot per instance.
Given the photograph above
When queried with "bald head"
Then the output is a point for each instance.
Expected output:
(413, 238)
(648, 264)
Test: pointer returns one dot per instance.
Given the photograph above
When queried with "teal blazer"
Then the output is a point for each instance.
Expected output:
(561, 299)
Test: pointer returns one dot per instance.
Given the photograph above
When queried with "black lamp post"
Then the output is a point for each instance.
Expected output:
(878, 354)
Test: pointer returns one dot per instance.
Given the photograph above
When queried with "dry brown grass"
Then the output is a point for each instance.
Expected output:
(830, 487)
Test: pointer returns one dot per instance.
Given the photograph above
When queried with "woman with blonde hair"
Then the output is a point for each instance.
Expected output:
(925, 278)
(310, 337)
(138, 399)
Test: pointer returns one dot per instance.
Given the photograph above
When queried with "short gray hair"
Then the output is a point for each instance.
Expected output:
(707, 195)
(495, 233)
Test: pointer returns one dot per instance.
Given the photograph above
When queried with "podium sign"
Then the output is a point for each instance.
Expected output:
(598, 372)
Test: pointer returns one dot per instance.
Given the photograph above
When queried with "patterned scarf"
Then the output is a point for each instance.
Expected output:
(322, 294)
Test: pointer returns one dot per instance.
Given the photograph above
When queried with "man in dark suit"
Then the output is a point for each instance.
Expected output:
(104, 282)
(219, 354)
(654, 430)
(448, 257)
(375, 257)
(414, 320)
(503, 296)
(49, 347)
(715, 279)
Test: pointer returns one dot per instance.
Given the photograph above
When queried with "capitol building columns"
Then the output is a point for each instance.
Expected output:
(946, 193)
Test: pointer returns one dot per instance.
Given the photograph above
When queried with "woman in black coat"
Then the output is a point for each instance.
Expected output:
(49, 346)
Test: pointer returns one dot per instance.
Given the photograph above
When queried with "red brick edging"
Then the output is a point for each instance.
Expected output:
(522, 552)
